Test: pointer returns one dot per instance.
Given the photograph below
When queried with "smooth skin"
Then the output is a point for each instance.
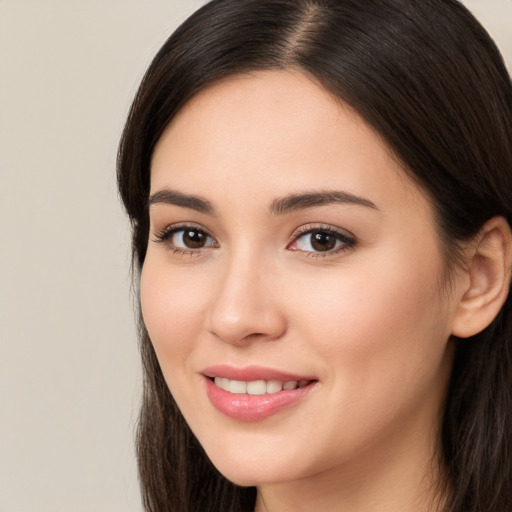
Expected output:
(351, 289)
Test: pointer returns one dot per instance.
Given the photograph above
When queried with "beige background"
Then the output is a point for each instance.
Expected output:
(69, 377)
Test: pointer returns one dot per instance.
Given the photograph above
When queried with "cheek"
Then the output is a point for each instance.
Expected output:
(384, 342)
(172, 308)
(381, 325)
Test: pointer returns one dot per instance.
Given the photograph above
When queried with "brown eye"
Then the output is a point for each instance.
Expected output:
(191, 239)
(322, 241)
(185, 238)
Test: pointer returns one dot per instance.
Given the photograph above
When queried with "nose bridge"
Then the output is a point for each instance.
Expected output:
(243, 306)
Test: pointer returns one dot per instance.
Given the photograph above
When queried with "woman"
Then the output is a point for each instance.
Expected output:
(320, 193)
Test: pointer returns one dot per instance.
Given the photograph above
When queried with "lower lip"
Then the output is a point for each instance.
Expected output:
(245, 407)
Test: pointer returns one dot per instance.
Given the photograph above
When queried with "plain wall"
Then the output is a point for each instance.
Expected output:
(69, 370)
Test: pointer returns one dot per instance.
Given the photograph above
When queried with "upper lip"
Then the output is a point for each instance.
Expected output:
(252, 373)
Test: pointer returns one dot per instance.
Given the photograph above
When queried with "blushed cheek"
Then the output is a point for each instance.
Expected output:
(368, 316)
(383, 348)
(166, 313)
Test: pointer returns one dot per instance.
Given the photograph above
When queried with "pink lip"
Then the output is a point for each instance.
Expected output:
(250, 373)
(245, 407)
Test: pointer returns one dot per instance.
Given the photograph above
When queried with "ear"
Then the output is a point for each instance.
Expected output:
(487, 279)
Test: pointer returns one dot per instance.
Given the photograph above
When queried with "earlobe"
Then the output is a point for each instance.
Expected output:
(489, 272)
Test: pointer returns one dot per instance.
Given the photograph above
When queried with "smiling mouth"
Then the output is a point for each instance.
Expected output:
(265, 392)
(258, 387)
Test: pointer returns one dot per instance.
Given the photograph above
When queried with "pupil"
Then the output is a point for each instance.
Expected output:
(194, 239)
(321, 241)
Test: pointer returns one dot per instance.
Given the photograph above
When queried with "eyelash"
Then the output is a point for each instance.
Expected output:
(344, 240)
(165, 237)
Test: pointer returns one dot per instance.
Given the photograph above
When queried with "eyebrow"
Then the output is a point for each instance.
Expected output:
(166, 196)
(306, 200)
(279, 206)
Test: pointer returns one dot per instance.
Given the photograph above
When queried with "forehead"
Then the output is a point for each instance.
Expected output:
(278, 130)
(261, 104)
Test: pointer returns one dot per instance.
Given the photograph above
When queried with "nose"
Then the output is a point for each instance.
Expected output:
(244, 306)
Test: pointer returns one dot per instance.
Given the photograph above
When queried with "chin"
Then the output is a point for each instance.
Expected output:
(248, 470)
(244, 476)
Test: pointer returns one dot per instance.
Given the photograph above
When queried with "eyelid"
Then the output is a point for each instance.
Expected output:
(346, 237)
(164, 236)
(169, 229)
(312, 226)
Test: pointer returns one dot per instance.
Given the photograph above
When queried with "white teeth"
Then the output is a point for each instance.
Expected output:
(237, 386)
(257, 387)
(274, 386)
(222, 383)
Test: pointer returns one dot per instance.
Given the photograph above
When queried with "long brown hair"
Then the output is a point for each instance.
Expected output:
(430, 80)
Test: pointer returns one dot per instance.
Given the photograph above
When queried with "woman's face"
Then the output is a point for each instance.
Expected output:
(289, 250)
